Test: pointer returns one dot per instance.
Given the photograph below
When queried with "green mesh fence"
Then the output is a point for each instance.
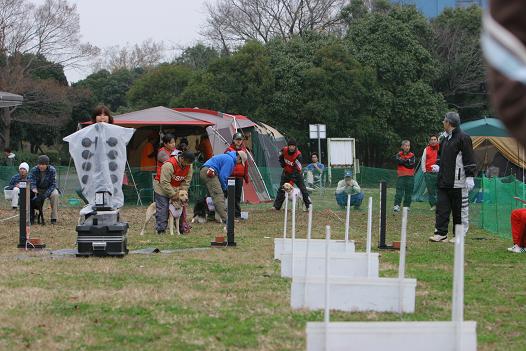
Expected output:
(497, 202)
(492, 200)
(69, 185)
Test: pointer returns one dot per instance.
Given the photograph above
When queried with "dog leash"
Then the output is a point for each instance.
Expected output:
(8, 218)
(334, 214)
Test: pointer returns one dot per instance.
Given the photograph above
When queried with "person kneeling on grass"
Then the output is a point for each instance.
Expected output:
(171, 176)
(349, 186)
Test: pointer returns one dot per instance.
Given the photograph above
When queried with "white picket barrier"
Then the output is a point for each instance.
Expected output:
(343, 264)
(454, 335)
(352, 264)
(284, 244)
(366, 293)
(392, 336)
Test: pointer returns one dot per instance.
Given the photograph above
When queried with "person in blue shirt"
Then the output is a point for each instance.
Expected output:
(44, 184)
(314, 171)
(214, 174)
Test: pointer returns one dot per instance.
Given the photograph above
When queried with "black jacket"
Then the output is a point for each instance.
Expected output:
(456, 160)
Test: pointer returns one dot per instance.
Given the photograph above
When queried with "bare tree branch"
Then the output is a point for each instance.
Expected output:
(232, 22)
(147, 54)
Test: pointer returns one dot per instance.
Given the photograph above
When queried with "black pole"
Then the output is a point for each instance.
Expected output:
(383, 210)
(22, 208)
(231, 211)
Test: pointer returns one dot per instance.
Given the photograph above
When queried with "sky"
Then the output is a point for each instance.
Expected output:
(106, 23)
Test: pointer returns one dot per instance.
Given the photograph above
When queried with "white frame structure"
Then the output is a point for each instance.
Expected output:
(358, 294)
(454, 335)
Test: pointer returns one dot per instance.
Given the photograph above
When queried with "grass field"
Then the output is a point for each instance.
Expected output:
(232, 299)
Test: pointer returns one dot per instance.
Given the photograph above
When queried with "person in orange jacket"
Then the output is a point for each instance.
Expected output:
(429, 158)
(405, 161)
(240, 171)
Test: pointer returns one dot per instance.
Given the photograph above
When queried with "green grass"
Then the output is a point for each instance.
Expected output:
(234, 299)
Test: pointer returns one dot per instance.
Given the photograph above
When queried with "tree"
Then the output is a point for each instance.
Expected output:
(462, 73)
(232, 22)
(317, 80)
(159, 86)
(110, 88)
(239, 83)
(406, 106)
(198, 57)
(46, 106)
(33, 40)
(146, 55)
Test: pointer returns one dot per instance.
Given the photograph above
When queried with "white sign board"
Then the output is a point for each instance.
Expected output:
(315, 128)
(341, 151)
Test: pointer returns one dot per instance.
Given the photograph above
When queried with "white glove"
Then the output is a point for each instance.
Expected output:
(470, 183)
(435, 168)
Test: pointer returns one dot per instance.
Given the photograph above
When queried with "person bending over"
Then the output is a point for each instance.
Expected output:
(214, 174)
(290, 160)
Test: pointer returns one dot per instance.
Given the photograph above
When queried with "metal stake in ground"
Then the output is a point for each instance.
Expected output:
(231, 211)
(25, 224)
(231, 192)
(383, 214)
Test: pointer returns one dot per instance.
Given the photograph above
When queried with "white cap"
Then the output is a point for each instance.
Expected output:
(24, 165)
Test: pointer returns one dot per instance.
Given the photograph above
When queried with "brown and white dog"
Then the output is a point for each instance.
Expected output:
(176, 209)
(294, 192)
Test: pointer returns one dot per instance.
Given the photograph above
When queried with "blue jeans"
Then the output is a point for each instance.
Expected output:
(356, 199)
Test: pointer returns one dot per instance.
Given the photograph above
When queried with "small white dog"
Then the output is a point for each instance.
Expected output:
(294, 192)
(175, 212)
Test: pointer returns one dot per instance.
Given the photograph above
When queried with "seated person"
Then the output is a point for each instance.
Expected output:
(44, 184)
(314, 171)
(518, 227)
(349, 186)
(10, 157)
(182, 147)
(12, 191)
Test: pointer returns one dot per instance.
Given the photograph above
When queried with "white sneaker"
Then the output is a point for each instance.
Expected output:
(518, 249)
(510, 249)
(396, 208)
(438, 238)
(433, 208)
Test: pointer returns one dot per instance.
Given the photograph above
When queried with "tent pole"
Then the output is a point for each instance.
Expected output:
(139, 200)
(67, 177)
(69, 165)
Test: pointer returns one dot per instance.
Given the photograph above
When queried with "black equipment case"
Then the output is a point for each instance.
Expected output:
(101, 236)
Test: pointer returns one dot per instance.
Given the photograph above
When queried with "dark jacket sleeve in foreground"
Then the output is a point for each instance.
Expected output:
(468, 157)
(508, 96)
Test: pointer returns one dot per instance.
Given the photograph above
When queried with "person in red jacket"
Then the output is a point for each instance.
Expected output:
(518, 230)
(164, 153)
(290, 160)
(405, 161)
(429, 158)
(240, 171)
